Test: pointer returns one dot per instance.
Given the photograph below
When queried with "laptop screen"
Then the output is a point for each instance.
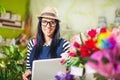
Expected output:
(46, 69)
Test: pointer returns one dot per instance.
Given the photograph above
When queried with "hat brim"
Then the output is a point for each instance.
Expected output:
(49, 15)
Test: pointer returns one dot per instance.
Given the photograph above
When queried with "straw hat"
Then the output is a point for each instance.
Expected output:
(49, 12)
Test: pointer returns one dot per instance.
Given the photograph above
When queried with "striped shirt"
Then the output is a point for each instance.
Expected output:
(63, 47)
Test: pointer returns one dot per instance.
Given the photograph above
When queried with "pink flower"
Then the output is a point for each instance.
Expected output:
(62, 60)
(64, 57)
(106, 62)
(76, 44)
(72, 54)
(116, 31)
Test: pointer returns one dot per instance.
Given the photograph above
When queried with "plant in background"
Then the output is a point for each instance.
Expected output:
(12, 65)
(2, 10)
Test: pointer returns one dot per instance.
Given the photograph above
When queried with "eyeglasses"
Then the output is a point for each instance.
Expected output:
(51, 23)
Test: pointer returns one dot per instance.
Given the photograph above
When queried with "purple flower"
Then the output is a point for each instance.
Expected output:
(60, 76)
(64, 76)
(69, 77)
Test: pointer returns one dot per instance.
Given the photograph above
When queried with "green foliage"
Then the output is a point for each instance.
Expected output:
(2, 10)
(99, 77)
(12, 65)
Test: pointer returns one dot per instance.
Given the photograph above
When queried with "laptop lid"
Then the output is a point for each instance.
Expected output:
(46, 69)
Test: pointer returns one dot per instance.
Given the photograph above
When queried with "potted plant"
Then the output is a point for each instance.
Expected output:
(12, 65)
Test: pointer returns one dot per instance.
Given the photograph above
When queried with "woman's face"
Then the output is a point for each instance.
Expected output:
(48, 26)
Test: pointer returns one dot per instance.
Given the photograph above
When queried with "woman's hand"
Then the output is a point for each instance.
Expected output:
(26, 75)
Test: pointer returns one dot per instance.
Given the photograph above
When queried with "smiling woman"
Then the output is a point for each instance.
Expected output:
(48, 43)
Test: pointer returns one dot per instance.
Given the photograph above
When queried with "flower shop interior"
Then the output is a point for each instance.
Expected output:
(19, 20)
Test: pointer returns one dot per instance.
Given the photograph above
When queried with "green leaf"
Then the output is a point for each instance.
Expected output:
(74, 61)
(2, 10)
(23, 53)
(2, 64)
(105, 60)
(6, 50)
(99, 77)
(81, 39)
(12, 49)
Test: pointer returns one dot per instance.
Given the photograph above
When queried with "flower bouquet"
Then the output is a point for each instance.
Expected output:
(81, 49)
(99, 49)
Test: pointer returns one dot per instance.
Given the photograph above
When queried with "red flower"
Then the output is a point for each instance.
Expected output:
(84, 52)
(92, 33)
(102, 30)
(89, 47)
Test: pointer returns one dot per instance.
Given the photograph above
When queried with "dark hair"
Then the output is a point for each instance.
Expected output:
(41, 39)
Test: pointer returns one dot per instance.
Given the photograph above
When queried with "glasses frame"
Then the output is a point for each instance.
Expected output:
(51, 23)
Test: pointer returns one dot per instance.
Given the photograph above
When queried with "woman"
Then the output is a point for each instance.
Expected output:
(48, 43)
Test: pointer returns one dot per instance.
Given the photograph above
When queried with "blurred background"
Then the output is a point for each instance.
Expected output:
(20, 20)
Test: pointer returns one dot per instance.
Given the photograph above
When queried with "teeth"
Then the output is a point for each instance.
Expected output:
(47, 30)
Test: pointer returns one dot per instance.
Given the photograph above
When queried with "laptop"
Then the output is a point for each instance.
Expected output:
(46, 69)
